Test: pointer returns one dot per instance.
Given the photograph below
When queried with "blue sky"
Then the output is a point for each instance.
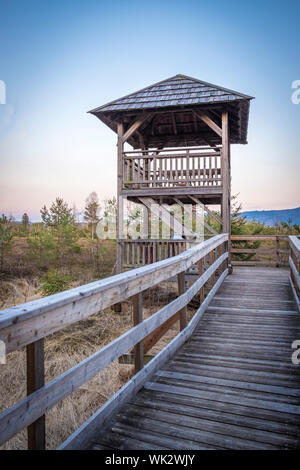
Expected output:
(61, 58)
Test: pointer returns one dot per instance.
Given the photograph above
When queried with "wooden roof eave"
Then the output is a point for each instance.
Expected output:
(111, 118)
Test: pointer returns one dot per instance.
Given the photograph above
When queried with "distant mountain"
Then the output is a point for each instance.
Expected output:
(291, 216)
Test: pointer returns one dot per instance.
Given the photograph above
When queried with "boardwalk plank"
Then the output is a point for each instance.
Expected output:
(243, 436)
(237, 414)
(232, 385)
(174, 425)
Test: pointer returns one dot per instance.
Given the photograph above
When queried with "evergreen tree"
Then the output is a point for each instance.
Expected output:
(91, 211)
(60, 232)
(6, 235)
(25, 222)
(59, 214)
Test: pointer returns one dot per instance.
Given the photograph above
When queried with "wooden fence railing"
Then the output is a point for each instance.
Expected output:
(140, 252)
(264, 250)
(27, 325)
(188, 167)
(294, 262)
(246, 250)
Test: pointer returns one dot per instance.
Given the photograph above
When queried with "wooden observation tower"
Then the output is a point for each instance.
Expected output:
(180, 131)
(226, 377)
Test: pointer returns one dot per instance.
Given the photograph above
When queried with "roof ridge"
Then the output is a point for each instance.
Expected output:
(129, 94)
(214, 86)
(186, 77)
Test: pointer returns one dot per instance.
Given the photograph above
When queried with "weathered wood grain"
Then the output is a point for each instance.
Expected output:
(34, 320)
(85, 433)
(232, 385)
(35, 405)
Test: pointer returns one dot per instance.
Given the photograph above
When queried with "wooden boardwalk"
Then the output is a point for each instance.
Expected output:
(232, 385)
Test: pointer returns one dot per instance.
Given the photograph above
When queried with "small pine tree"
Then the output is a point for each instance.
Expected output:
(55, 281)
(6, 235)
(59, 214)
(91, 211)
(25, 222)
(238, 221)
(239, 227)
(60, 224)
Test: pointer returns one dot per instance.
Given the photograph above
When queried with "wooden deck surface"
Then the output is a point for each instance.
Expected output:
(232, 385)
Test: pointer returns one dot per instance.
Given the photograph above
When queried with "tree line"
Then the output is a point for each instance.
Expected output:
(54, 244)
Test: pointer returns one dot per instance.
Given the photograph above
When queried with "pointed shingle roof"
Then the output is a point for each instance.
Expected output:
(171, 105)
(179, 90)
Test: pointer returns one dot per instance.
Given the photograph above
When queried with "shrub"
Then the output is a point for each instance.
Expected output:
(55, 281)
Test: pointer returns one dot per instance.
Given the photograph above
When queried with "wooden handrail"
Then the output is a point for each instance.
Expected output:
(260, 237)
(23, 324)
(275, 252)
(193, 169)
(80, 438)
(28, 323)
(155, 152)
(294, 262)
(128, 156)
(295, 245)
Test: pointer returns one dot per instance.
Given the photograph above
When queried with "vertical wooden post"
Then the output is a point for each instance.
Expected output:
(182, 222)
(150, 231)
(172, 222)
(146, 222)
(219, 253)
(35, 380)
(120, 215)
(200, 271)
(277, 247)
(211, 261)
(225, 162)
(194, 218)
(183, 311)
(138, 318)
(160, 224)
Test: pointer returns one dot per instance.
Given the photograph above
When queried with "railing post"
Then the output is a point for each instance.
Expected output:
(138, 318)
(277, 252)
(211, 261)
(200, 271)
(35, 361)
(227, 248)
(219, 253)
(181, 290)
(297, 266)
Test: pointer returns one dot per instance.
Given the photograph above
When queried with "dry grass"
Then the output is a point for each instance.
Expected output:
(17, 291)
(63, 350)
(68, 347)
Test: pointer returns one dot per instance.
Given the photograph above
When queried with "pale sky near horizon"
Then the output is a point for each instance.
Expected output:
(60, 59)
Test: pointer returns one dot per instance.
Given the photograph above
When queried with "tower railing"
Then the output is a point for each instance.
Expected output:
(190, 167)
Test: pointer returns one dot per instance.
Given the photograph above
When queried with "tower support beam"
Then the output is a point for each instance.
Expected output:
(225, 162)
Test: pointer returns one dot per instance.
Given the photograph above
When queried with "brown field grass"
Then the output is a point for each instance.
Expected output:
(68, 347)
